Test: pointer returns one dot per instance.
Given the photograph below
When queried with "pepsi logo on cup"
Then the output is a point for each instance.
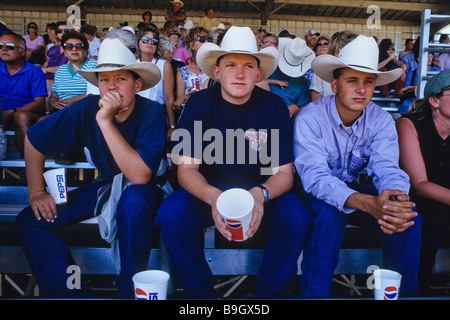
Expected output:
(61, 186)
(390, 293)
(142, 295)
(235, 227)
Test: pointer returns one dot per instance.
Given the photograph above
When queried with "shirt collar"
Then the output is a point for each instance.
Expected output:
(336, 119)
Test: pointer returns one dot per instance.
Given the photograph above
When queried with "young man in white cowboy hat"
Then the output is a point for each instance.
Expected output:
(258, 121)
(124, 133)
(294, 59)
(334, 139)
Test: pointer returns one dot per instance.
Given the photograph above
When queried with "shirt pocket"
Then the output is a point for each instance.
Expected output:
(358, 160)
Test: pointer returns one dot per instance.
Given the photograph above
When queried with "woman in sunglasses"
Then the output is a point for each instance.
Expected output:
(190, 78)
(35, 45)
(68, 86)
(148, 43)
(54, 54)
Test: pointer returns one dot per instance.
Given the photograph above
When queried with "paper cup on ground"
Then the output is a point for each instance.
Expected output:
(236, 207)
(151, 285)
(387, 284)
(56, 182)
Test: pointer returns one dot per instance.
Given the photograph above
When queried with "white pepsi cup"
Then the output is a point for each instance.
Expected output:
(151, 285)
(387, 284)
(56, 183)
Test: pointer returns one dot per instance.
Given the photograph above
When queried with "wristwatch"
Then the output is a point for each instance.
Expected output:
(172, 127)
(266, 193)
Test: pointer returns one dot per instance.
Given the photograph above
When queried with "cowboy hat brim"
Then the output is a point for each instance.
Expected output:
(291, 70)
(208, 54)
(324, 66)
(149, 73)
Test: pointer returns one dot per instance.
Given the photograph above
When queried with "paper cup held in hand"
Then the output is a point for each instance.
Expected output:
(236, 207)
(387, 284)
(56, 182)
(151, 285)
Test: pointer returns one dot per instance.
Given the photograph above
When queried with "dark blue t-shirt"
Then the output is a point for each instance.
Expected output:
(237, 144)
(75, 127)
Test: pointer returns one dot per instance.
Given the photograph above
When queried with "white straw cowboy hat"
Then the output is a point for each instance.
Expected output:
(237, 40)
(294, 56)
(178, 1)
(362, 55)
(114, 55)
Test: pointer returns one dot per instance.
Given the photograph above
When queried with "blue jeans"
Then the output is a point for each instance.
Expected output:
(182, 218)
(49, 257)
(321, 254)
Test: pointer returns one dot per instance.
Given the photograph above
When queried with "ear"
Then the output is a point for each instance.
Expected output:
(138, 85)
(216, 72)
(259, 75)
(333, 84)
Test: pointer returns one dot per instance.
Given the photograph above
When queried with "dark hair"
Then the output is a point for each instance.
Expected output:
(408, 41)
(145, 29)
(383, 47)
(87, 28)
(319, 39)
(75, 35)
(207, 9)
(268, 34)
(29, 24)
(145, 13)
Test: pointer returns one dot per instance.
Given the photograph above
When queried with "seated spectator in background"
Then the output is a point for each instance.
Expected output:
(166, 48)
(176, 14)
(188, 210)
(2, 137)
(148, 43)
(410, 59)
(94, 43)
(311, 38)
(187, 75)
(409, 43)
(22, 88)
(179, 53)
(35, 45)
(147, 20)
(69, 86)
(444, 58)
(287, 81)
(208, 21)
(284, 33)
(408, 92)
(125, 134)
(320, 48)
(334, 139)
(424, 139)
(55, 56)
(269, 40)
(388, 61)
(184, 30)
(318, 87)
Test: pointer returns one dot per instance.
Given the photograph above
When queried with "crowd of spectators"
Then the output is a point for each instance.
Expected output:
(39, 75)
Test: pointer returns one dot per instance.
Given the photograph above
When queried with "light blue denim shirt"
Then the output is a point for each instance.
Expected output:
(329, 155)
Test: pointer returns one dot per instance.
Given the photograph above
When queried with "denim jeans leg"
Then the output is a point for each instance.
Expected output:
(401, 253)
(182, 218)
(136, 211)
(48, 256)
(287, 221)
(321, 253)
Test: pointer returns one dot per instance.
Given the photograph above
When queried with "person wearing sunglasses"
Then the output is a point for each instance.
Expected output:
(148, 44)
(35, 45)
(68, 86)
(22, 88)
(54, 54)
(191, 72)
